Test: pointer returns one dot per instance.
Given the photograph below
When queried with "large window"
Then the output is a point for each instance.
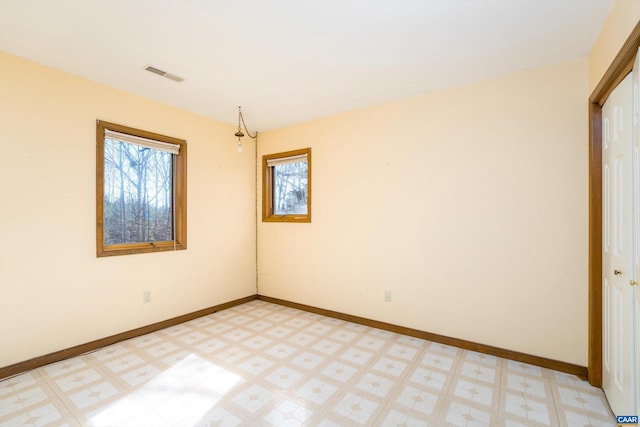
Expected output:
(141, 191)
(286, 186)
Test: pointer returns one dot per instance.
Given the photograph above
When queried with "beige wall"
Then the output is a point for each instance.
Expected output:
(622, 19)
(469, 205)
(54, 292)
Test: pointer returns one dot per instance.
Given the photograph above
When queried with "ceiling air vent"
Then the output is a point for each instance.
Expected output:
(163, 73)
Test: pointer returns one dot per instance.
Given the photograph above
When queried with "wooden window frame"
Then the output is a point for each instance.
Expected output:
(179, 194)
(267, 188)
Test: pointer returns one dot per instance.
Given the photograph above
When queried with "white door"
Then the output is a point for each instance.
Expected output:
(617, 263)
(635, 200)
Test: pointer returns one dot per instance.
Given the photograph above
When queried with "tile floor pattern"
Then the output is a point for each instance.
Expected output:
(261, 364)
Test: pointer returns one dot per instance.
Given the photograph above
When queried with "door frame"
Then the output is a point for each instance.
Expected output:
(617, 71)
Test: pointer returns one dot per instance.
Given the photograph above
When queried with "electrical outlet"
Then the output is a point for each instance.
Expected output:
(387, 296)
(147, 297)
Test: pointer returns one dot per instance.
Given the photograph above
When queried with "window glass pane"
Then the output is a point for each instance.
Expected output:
(137, 194)
(290, 188)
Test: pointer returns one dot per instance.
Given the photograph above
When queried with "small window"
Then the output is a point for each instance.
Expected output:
(141, 185)
(286, 186)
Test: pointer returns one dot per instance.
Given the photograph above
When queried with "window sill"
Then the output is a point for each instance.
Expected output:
(139, 248)
(286, 218)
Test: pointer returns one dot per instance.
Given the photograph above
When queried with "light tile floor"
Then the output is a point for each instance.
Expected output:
(261, 364)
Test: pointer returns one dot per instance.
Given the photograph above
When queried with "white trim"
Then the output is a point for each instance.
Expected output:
(285, 160)
(143, 142)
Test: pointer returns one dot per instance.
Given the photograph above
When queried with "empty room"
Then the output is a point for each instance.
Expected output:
(340, 213)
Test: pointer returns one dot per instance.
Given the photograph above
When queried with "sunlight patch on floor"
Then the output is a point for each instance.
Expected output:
(180, 395)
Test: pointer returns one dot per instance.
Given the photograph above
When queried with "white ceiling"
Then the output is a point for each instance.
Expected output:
(289, 61)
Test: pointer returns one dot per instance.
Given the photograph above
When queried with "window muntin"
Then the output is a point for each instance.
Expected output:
(287, 186)
(140, 191)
